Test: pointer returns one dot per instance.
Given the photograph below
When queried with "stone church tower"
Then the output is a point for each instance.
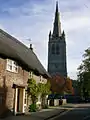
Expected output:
(57, 49)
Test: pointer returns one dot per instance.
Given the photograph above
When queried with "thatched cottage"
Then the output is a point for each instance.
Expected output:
(16, 62)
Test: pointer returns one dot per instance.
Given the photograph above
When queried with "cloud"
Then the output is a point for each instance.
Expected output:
(29, 19)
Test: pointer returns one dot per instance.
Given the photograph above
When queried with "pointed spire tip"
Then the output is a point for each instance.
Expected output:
(57, 26)
(57, 2)
(50, 33)
(56, 5)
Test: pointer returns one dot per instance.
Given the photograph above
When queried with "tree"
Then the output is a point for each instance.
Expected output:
(75, 87)
(57, 84)
(68, 86)
(32, 89)
(84, 75)
(61, 85)
(44, 89)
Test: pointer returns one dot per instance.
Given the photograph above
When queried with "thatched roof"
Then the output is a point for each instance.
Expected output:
(12, 48)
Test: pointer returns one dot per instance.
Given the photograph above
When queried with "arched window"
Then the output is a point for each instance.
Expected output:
(57, 49)
(53, 48)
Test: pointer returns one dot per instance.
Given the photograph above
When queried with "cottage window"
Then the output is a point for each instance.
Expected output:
(40, 78)
(31, 74)
(15, 66)
(12, 66)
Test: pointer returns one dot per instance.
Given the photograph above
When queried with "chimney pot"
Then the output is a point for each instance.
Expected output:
(31, 47)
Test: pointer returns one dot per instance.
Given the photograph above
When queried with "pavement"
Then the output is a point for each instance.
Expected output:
(44, 114)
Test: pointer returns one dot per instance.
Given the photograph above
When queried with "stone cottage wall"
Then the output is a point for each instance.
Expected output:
(6, 82)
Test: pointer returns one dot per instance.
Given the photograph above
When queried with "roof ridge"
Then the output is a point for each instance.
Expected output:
(34, 57)
(12, 37)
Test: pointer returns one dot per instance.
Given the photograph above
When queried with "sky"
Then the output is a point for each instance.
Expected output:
(31, 20)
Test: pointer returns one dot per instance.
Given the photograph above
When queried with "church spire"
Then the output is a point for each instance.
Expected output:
(57, 25)
(57, 6)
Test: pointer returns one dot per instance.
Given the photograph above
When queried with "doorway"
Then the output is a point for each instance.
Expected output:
(20, 100)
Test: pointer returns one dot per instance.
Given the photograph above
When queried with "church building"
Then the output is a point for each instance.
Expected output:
(57, 49)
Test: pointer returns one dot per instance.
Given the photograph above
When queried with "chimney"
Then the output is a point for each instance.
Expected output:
(31, 47)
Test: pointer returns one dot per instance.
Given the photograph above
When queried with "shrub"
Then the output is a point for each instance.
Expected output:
(32, 108)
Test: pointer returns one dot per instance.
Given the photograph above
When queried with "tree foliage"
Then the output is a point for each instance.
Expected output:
(68, 86)
(34, 89)
(61, 84)
(84, 75)
(44, 89)
(57, 84)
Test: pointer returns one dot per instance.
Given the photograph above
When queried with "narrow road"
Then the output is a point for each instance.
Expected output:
(82, 112)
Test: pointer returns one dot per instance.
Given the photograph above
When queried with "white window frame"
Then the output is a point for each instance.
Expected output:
(13, 66)
(31, 74)
(40, 78)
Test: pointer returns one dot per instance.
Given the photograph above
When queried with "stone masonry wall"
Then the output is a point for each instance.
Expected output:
(6, 82)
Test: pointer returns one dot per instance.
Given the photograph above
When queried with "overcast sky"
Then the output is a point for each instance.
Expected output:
(33, 19)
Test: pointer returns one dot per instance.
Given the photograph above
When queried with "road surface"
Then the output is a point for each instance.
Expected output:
(82, 112)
